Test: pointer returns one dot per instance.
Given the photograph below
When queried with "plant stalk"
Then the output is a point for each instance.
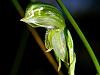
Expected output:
(81, 35)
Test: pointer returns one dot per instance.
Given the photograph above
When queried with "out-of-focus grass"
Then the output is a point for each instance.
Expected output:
(20, 52)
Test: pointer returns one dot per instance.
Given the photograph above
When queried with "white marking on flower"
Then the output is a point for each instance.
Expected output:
(32, 12)
(39, 10)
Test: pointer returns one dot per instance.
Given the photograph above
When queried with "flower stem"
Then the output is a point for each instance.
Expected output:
(81, 35)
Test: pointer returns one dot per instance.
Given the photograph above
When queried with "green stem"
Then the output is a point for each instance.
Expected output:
(81, 35)
(20, 53)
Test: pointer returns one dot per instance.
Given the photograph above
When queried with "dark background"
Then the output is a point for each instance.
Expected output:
(85, 12)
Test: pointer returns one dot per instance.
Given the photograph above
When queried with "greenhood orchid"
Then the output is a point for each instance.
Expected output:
(57, 37)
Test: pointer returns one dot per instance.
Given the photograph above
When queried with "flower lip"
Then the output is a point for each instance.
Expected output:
(22, 19)
(34, 23)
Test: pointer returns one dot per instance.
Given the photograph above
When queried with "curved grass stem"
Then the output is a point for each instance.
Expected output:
(81, 35)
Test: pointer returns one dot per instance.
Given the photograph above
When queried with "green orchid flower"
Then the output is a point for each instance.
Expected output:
(57, 37)
(43, 15)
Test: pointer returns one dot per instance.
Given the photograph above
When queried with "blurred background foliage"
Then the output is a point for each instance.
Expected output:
(33, 61)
